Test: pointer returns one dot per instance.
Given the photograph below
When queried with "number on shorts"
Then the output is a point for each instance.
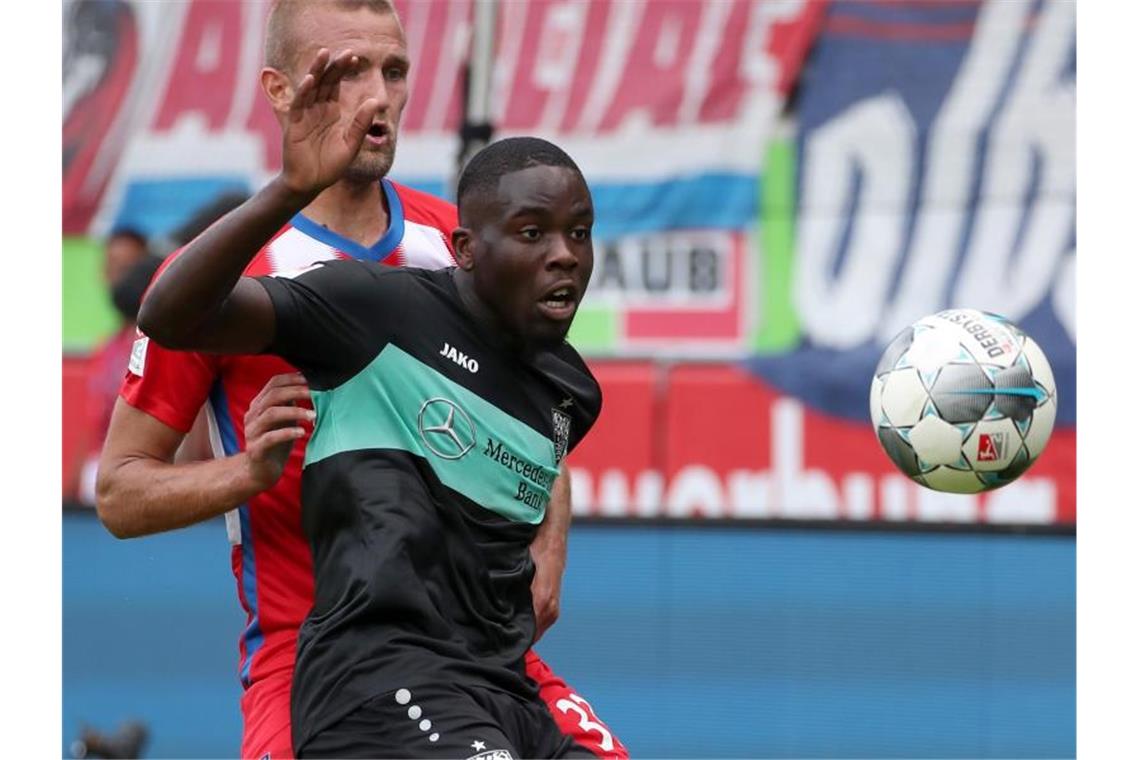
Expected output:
(585, 719)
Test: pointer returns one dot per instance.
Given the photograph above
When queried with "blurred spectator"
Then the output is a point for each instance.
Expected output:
(127, 270)
(129, 264)
(201, 219)
(124, 248)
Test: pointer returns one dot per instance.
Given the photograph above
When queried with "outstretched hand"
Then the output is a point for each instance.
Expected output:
(272, 424)
(319, 144)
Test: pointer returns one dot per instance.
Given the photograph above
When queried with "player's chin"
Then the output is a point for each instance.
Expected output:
(549, 327)
(371, 165)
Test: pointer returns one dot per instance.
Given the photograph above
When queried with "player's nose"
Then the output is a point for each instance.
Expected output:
(379, 88)
(560, 254)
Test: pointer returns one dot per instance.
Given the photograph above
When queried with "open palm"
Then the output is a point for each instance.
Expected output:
(319, 144)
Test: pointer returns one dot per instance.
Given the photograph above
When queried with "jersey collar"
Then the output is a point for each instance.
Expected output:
(381, 250)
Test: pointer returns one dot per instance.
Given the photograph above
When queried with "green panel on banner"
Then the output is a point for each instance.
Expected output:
(594, 329)
(778, 328)
(88, 316)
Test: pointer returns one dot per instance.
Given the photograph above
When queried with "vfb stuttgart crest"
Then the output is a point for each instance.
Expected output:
(561, 434)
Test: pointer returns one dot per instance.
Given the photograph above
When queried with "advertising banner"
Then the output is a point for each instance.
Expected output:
(713, 442)
(934, 168)
(781, 186)
(928, 163)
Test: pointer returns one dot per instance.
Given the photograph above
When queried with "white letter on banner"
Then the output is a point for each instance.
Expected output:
(1002, 273)
(748, 492)
(695, 487)
(1065, 294)
(795, 492)
(949, 174)
(875, 137)
(1029, 500)
(582, 501)
(613, 497)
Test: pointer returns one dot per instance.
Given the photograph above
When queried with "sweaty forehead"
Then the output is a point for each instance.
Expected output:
(367, 32)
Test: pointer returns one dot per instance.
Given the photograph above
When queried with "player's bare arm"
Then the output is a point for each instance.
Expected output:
(548, 549)
(201, 302)
(141, 491)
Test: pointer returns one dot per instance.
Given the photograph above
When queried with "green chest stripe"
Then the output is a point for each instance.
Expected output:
(475, 448)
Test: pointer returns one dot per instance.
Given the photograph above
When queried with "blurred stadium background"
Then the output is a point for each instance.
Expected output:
(781, 186)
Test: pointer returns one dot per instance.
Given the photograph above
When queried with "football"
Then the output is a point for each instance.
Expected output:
(963, 401)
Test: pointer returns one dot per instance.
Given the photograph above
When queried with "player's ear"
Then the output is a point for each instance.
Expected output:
(277, 88)
(461, 241)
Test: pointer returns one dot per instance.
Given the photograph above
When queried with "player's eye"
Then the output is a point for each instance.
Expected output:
(352, 71)
(580, 234)
(530, 233)
(395, 73)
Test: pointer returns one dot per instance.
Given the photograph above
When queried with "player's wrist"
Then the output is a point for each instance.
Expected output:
(251, 475)
(549, 552)
(291, 193)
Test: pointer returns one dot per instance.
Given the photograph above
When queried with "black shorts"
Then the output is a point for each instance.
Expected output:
(445, 721)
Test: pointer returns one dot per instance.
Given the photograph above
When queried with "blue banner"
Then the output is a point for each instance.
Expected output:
(935, 154)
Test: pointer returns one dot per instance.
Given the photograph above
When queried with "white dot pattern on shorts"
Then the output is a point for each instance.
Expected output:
(425, 724)
(403, 696)
(414, 712)
(433, 738)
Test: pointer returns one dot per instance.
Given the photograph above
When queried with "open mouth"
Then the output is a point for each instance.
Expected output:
(377, 133)
(559, 302)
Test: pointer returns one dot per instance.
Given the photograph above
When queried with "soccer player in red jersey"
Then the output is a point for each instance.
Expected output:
(258, 405)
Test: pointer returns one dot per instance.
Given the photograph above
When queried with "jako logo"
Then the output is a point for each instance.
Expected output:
(463, 360)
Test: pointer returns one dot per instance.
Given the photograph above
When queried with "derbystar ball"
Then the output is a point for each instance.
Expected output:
(963, 401)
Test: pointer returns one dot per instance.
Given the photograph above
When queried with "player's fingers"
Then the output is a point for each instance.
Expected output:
(288, 396)
(319, 64)
(273, 438)
(328, 86)
(278, 383)
(361, 121)
(277, 417)
(285, 380)
(278, 398)
(304, 94)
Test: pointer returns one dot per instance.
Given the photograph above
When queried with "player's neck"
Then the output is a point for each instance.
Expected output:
(358, 212)
(489, 325)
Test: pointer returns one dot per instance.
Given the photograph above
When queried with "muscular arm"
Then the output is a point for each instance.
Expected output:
(549, 552)
(140, 489)
(201, 302)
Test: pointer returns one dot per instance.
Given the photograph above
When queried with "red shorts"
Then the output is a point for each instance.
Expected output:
(266, 730)
(572, 713)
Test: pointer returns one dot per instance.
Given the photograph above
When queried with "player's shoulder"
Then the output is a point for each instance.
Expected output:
(425, 208)
(362, 275)
(260, 264)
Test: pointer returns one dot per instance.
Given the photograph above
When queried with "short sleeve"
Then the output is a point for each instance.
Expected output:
(170, 386)
(330, 317)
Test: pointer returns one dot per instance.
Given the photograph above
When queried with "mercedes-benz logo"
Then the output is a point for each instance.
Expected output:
(446, 429)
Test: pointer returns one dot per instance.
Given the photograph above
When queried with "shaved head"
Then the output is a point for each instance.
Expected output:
(480, 178)
(281, 43)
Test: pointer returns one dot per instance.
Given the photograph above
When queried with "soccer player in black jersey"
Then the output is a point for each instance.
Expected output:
(436, 443)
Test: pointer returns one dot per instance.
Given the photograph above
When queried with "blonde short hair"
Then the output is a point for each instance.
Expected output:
(280, 45)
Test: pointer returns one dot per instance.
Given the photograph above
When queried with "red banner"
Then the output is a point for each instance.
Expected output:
(711, 441)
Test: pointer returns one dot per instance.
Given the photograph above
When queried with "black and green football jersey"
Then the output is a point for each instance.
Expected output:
(430, 466)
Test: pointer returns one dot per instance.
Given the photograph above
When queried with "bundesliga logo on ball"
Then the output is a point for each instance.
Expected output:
(963, 401)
